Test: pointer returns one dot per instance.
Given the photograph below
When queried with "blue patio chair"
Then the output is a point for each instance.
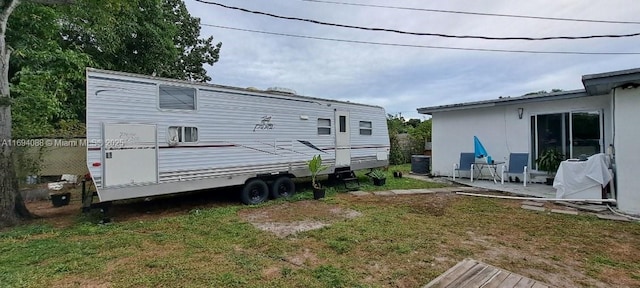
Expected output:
(518, 163)
(466, 164)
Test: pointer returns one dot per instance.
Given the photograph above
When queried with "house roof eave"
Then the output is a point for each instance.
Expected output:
(603, 83)
(505, 101)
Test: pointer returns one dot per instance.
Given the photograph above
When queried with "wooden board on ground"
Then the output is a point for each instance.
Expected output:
(472, 273)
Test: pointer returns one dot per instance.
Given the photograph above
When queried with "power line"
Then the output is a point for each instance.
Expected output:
(422, 46)
(419, 33)
(475, 13)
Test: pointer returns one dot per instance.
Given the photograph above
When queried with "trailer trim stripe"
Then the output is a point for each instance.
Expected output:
(234, 145)
(121, 80)
(261, 96)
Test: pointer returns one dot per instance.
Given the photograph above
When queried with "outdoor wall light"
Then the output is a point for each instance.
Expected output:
(520, 111)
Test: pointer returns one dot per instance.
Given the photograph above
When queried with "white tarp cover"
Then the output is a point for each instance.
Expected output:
(66, 178)
(582, 179)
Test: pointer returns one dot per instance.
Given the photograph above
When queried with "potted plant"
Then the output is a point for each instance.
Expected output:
(315, 167)
(378, 176)
(549, 161)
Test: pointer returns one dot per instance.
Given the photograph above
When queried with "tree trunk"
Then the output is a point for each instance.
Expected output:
(12, 205)
(8, 216)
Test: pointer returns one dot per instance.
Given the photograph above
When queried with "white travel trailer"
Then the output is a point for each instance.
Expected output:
(149, 136)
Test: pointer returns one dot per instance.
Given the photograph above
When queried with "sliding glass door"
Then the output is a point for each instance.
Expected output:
(572, 133)
(585, 134)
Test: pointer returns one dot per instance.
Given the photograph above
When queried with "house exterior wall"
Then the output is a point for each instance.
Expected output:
(499, 129)
(627, 141)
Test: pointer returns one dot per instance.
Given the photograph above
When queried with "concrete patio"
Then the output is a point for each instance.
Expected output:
(531, 190)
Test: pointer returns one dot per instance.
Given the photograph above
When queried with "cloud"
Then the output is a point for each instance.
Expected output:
(402, 79)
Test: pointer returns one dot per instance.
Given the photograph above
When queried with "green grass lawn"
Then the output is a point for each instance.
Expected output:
(398, 241)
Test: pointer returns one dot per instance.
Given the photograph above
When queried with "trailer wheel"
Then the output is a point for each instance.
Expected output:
(254, 192)
(283, 187)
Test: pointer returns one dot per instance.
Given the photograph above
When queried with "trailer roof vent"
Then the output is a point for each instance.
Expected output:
(281, 90)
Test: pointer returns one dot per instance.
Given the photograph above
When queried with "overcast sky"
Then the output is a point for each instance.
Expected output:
(402, 79)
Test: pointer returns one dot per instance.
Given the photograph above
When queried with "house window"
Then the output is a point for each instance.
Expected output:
(365, 128)
(324, 126)
(572, 133)
(179, 134)
(176, 97)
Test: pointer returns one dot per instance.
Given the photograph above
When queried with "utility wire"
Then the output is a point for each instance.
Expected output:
(418, 33)
(475, 13)
(422, 46)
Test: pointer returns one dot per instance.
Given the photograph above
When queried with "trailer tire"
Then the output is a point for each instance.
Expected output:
(254, 192)
(282, 187)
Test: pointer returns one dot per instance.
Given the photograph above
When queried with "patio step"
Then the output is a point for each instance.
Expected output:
(585, 207)
(562, 211)
(532, 203)
(534, 208)
(612, 217)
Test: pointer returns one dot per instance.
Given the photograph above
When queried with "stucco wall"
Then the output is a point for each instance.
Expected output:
(627, 149)
(499, 129)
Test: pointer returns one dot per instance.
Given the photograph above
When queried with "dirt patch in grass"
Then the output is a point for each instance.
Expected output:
(394, 241)
(290, 218)
(132, 210)
(537, 265)
(72, 281)
(303, 258)
(431, 204)
(149, 259)
(271, 273)
(546, 247)
(58, 217)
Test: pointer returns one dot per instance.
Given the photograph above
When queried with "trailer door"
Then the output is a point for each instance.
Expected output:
(130, 156)
(343, 139)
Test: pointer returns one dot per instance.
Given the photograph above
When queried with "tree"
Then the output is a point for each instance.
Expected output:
(413, 122)
(418, 131)
(11, 203)
(195, 51)
(419, 135)
(152, 37)
(54, 44)
(46, 79)
(396, 156)
(395, 125)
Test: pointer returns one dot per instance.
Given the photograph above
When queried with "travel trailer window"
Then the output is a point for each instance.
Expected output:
(365, 128)
(190, 134)
(343, 123)
(176, 97)
(324, 126)
(178, 134)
